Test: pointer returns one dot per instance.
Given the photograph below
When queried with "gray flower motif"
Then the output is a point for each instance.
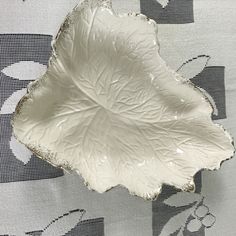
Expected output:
(194, 217)
(163, 3)
(61, 225)
(22, 70)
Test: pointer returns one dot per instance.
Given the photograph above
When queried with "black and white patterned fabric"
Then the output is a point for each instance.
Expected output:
(197, 38)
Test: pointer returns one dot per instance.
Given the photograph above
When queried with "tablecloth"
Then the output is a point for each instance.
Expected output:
(198, 39)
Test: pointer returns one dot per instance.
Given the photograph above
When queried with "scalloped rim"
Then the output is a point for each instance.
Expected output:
(48, 156)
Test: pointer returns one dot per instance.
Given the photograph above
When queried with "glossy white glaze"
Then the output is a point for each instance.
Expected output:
(110, 108)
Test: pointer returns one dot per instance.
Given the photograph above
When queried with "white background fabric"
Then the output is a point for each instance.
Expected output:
(30, 205)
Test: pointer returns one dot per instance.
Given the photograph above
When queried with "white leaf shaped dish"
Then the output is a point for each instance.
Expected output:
(110, 108)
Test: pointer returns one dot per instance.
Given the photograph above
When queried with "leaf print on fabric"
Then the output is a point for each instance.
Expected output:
(61, 225)
(20, 151)
(182, 199)
(193, 66)
(25, 70)
(110, 108)
(64, 224)
(176, 223)
(9, 105)
(164, 3)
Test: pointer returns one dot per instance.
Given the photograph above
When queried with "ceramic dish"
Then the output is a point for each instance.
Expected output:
(111, 109)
